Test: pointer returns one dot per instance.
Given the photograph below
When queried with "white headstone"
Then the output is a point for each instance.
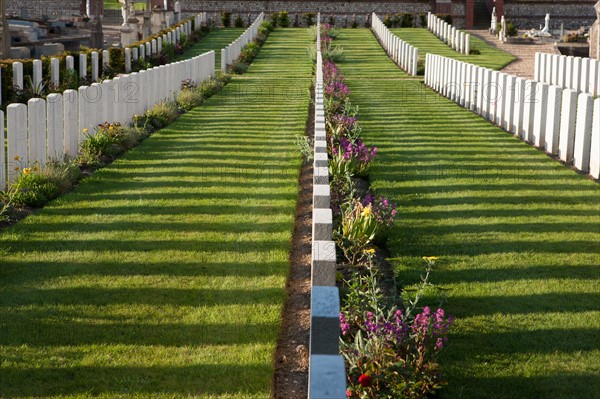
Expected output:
(567, 125)
(71, 121)
(583, 132)
(552, 129)
(595, 142)
(82, 65)
(539, 120)
(37, 73)
(69, 62)
(18, 154)
(3, 178)
(55, 72)
(56, 127)
(36, 124)
(518, 107)
(17, 76)
(127, 60)
(531, 87)
(576, 77)
(95, 69)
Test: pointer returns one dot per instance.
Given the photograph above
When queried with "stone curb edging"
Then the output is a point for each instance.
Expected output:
(327, 372)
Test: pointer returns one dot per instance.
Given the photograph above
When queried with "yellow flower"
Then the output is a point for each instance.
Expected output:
(26, 171)
(367, 211)
(17, 158)
(111, 128)
(430, 258)
(16, 168)
(370, 251)
(85, 129)
(35, 168)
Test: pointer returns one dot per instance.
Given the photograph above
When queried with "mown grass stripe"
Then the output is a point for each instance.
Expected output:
(163, 274)
(427, 42)
(516, 231)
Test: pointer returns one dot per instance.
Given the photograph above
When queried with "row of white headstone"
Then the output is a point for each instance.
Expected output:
(53, 128)
(576, 73)
(456, 39)
(142, 51)
(230, 53)
(403, 54)
(558, 120)
(326, 373)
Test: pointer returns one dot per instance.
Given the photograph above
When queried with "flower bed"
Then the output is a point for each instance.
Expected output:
(389, 343)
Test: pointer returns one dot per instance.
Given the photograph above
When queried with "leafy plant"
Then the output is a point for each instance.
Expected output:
(390, 352)
(274, 19)
(34, 189)
(284, 19)
(239, 22)
(309, 18)
(226, 19)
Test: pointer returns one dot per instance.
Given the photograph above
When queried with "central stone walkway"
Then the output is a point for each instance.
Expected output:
(163, 275)
(524, 65)
(517, 234)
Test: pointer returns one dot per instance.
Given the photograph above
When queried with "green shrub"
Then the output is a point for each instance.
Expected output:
(423, 20)
(387, 20)
(239, 67)
(34, 189)
(239, 22)
(189, 98)
(309, 18)
(511, 30)
(446, 17)
(226, 19)
(421, 67)
(106, 143)
(406, 20)
(284, 19)
(354, 23)
(274, 19)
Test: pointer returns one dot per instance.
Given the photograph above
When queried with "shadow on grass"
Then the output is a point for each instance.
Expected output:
(524, 387)
(201, 381)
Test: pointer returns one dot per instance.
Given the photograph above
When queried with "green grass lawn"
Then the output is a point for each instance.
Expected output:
(163, 275)
(427, 42)
(215, 40)
(518, 235)
(116, 5)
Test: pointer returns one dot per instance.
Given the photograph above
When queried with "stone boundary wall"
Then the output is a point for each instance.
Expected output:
(559, 121)
(531, 14)
(37, 9)
(342, 11)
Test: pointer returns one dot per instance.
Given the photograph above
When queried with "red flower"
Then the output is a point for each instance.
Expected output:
(364, 380)
(348, 393)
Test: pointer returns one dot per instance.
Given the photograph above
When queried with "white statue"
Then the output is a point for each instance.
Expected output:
(547, 26)
(502, 35)
(494, 21)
